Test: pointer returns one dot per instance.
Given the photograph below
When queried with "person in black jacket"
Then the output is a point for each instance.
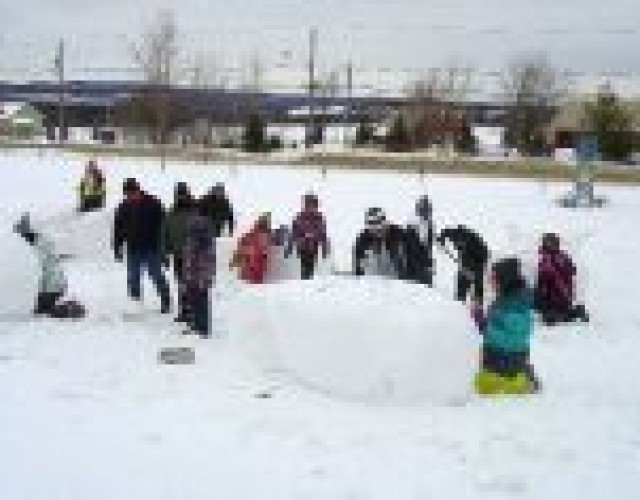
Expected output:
(473, 257)
(219, 210)
(139, 223)
(419, 236)
(380, 248)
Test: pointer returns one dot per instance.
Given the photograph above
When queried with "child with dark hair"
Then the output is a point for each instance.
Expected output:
(472, 259)
(506, 329)
(555, 284)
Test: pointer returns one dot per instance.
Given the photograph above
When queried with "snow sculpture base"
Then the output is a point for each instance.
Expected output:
(19, 275)
(369, 340)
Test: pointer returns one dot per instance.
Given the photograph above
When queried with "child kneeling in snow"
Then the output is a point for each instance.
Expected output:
(555, 285)
(506, 329)
(53, 282)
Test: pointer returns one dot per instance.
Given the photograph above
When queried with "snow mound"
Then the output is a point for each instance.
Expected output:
(19, 275)
(369, 340)
(84, 236)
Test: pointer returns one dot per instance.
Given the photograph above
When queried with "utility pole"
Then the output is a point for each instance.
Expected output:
(347, 110)
(59, 66)
(313, 42)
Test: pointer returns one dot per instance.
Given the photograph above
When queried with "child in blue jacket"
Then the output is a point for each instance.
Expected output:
(506, 330)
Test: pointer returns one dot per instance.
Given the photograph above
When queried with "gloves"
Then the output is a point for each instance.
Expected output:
(165, 261)
(118, 255)
(325, 252)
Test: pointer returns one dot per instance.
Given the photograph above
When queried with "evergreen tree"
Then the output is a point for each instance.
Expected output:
(611, 123)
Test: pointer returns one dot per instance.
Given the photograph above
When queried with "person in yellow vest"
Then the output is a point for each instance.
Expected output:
(92, 189)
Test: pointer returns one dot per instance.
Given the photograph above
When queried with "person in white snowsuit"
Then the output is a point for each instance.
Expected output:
(380, 248)
(53, 281)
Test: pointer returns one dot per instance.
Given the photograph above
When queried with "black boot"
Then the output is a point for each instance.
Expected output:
(165, 305)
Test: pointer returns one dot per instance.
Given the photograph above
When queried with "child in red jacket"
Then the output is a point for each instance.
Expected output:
(252, 253)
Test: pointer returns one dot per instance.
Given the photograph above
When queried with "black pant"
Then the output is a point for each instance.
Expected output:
(509, 364)
(90, 203)
(46, 301)
(151, 261)
(199, 311)
(551, 317)
(466, 279)
(178, 272)
(308, 264)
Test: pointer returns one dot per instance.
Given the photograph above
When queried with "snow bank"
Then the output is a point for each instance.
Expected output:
(19, 274)
(370, 340)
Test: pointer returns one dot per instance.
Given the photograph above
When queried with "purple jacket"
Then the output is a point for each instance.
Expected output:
(309, 232)
(555, 279)
(199, 256)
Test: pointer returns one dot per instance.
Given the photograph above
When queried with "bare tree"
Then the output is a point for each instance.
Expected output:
(156, 55)
(434, 110)
(533, 90)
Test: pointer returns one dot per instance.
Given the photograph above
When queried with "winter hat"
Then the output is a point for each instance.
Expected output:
(550, 242)
(264, 221)
(423, 207)
(374, 219)
(508, 276)
(24, 228)
(182, 188)
(130, 185)
(311, 199)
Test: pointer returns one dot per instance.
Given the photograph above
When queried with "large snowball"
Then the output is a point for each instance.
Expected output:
(370, 340)
(83, 236)
(19, 274)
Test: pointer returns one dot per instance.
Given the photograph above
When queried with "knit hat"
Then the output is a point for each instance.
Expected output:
(130, 185)
(24, 228)
(182, 188)
(311, 199)
(423, 207)
(508, 276)
(374, 219)
(550, 242)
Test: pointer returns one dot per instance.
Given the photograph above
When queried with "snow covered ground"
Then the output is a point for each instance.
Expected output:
(87, 412)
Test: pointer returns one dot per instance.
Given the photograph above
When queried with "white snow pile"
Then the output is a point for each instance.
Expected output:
(19, 273)
(368, 340)
(85, 236)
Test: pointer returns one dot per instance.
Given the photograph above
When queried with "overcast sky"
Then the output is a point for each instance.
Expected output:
(585, 35)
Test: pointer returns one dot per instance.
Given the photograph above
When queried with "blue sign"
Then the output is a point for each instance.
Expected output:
(587, 149)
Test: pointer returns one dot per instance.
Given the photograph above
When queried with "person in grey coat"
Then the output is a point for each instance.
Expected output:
(53, 283)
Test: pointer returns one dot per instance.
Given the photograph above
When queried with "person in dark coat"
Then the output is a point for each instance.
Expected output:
(175, 238)
(472, 259)
(309, 236)
(419, 237)
(380, 248)
(198, 270)
(555, 284)
(219, 210)
(139, 224)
